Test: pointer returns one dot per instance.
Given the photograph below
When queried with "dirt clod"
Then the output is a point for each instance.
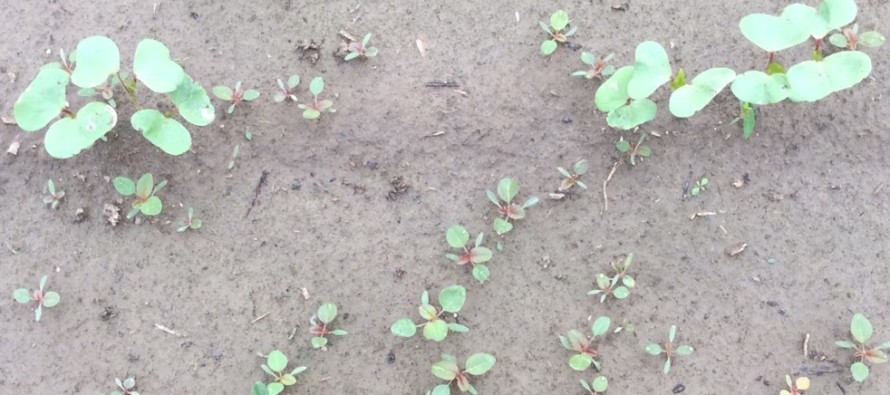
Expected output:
(399, 187)
(111, 213)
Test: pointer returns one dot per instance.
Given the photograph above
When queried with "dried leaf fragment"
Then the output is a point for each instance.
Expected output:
(735, 249)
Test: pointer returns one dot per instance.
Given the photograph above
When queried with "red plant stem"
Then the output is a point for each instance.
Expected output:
(68, 112)
(772, 58)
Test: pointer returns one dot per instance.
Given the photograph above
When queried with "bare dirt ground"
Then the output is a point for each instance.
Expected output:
(817, 205)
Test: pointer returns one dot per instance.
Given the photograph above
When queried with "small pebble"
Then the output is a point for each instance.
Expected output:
(678, 388)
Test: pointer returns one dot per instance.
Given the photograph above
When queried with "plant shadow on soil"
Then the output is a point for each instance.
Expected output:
(323, 220)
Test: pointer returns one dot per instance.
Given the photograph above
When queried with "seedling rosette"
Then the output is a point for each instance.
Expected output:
(360, 49)
(55, 197)
(586, 354)
(597, 386)
(634, 150)
(451, 300)
(47, 299)
(507, 209)
(276, 363)
(795, 387)
(314, 109)
(559, 21)
(448, 370)
(320, 322)
(599, 68)
(144, 189)
(236, 95)
(861, 329)
(610, 286)
(287, 92)
(572, 178)
(668, 349)
(458, 237)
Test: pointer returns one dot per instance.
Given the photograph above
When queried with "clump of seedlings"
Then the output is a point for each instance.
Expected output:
(668, 349)
(276, 363)
(144, 189)
(507, 209)
(235, 95)
(448, 370)
(287, 92)
(559, 21)
(700, 186)
(610, 285)
(320, 321)
(634, 151)
(48, 299)
(360, 49)
(572, 178)
(314, 109)
(596, 386)
(458, 237)
(55, 197)
(125, 387)
(583, 346)
(190, 222)
(861, 329)
(599, 68)
(451, 300)
(795, 387)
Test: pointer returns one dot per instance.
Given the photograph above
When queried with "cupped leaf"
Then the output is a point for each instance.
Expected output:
(277, 361)
(613, 92)
(457, 236)
(445, 370)
(316, 86)
(319, 342)
(859, 371)
(193, 103)
(479, 363)
(403, 328)
(632, 115)
(481, 273)
(97, 58)
(250, 94)
(757, 87)
(601, 325)
(288, 379)
(124, 186)
(548, 46)
(600, 384)
(259, 389)
(435, 330)
(654, 349)
(652, 69)
(861, 328)
(502, 226)
(152, 206)
(327, 312)
(223, 92)
(452, 298)
(480, 255)
(428, 312)
(775, 33)
(441, 389)
(813, 80)
(871, 39)
(43, 99)
(559, 20)
(275, 388)
(580, 362)
(51, 299)
(145, 185)
(507, 189)
(68, 136)
(689, 99)
(153, 66)
(22, 295)
(166, 133)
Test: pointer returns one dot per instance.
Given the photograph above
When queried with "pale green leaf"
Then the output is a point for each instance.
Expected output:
(478, 364)
(97, 58)
(632, 115)
(68, 136)
(757, 87)
(166, 133)
(403, 328)
(689, 99)
(457, 236)
(43, 99)
(327, 312)
(193, 103)
(154, 68)
(652, 69)
(452, 298)
(775, 33)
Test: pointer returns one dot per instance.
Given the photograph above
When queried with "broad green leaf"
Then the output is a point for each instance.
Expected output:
(684, 350)
(623, 146)
(600, 384)
(838, 40)
(152, 206)
(601, 326)
(612, 94)
(480, 255)
(441, 389)
(445, 370)
(654, 349)
(632, 115)
(327, 312)
(152, 65)
(581, 166)
(507, 189)
(259, 389)
(457, 236)
(845, 344)
(223, 92)
(250, 94)
(757, 87)
(275, 388)
(871, 39)
(193, 103)
(481, 273)
(288, 379)
(588, 58)
(813, 80)
(51, 299)
(428, 312)
(478, 364)
(166, 133)
(833, 14)
(775, 33)
(319, 342)
(621, 292)
(452, 298)
(293, 81)
(316, 86)
(310, 113)
(22, 295)
(580, 362)
(97, 58)
(875, 356)
(435, 330)
(859, 371)
(652, 69)
(68, 136)
(43, 99)
(403, 328)
(548, 46)
(145, 185)
(749, 119)
(455, 327)
(124, 186)
(559, 20)
(502, 226)
(297, 370)
(689, 99)
(861, 328)
(277, 361)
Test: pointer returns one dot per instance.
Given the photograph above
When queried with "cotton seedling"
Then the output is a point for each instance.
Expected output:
(314, 110)
(47, 299)
(597, 386)
(795, 387)
(360, 49)
(448, 370)
(125, 387)
(276, 363)
(235, 152)
(583, 346)
(144, 189)
(458, 237)
(320, 322)
(106, 90)
(610, 285)
(861, 329)
(507, 209)
(668, 349)
(236, 95)
(559, 21)
(599, 68)
(55, 197)
(634, 151)
(190, 222)
(451, 300)
(287, 92)
(572, 178)
(700, 186)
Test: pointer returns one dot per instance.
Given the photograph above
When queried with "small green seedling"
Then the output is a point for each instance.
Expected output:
(748, 116)
(849, 38)
(559, 21)
(596, 386)
(125, 387)
(668, 349)
(360, 49)
(458, 237)
(583, 346)
(700, 186)
(55, 197)
(448, 370)
(236, 95)
(599, 68)
(276, 363)
(287, 92)
(235, 152)
(320, 321)
(795, 387)
(144, 189)
(609, 285)
(572, 178)
(435, 328)
(190, 222)
(106, 90)
(314, 110)
(259, 389)
(634, 151)
(507, 210)
(861, 329)
(49, 299)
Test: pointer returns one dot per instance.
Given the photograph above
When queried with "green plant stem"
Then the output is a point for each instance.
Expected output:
(130, 94)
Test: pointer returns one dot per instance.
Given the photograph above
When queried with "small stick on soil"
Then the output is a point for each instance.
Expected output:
(441, 84)
(878, 190)
(346, 35)
(168, 330)
(255, 320)
(256, 191)
(12, 250)
(606, 183)
(806, 346)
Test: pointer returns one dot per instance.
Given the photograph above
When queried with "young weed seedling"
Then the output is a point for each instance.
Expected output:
(55, 197)
(559, 21)
(699, 187)
(235, 152)
(586, 354)
(599, 68)
(287, 92)
(574, 177)
(314, 110)
(507, 190)
(458, 237)
(125, 387)
(795, 387)
(144, 189)
(448, 370)
(259, 389)
(320, 321)
(190, 222)
(596, 386)
(609, 286)
(435, 328)
(48, 299)
(276, 363)
(668, 350)
(236, 95)
(634, 151)
(361, 49)
(849, 38)
(861, 329)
